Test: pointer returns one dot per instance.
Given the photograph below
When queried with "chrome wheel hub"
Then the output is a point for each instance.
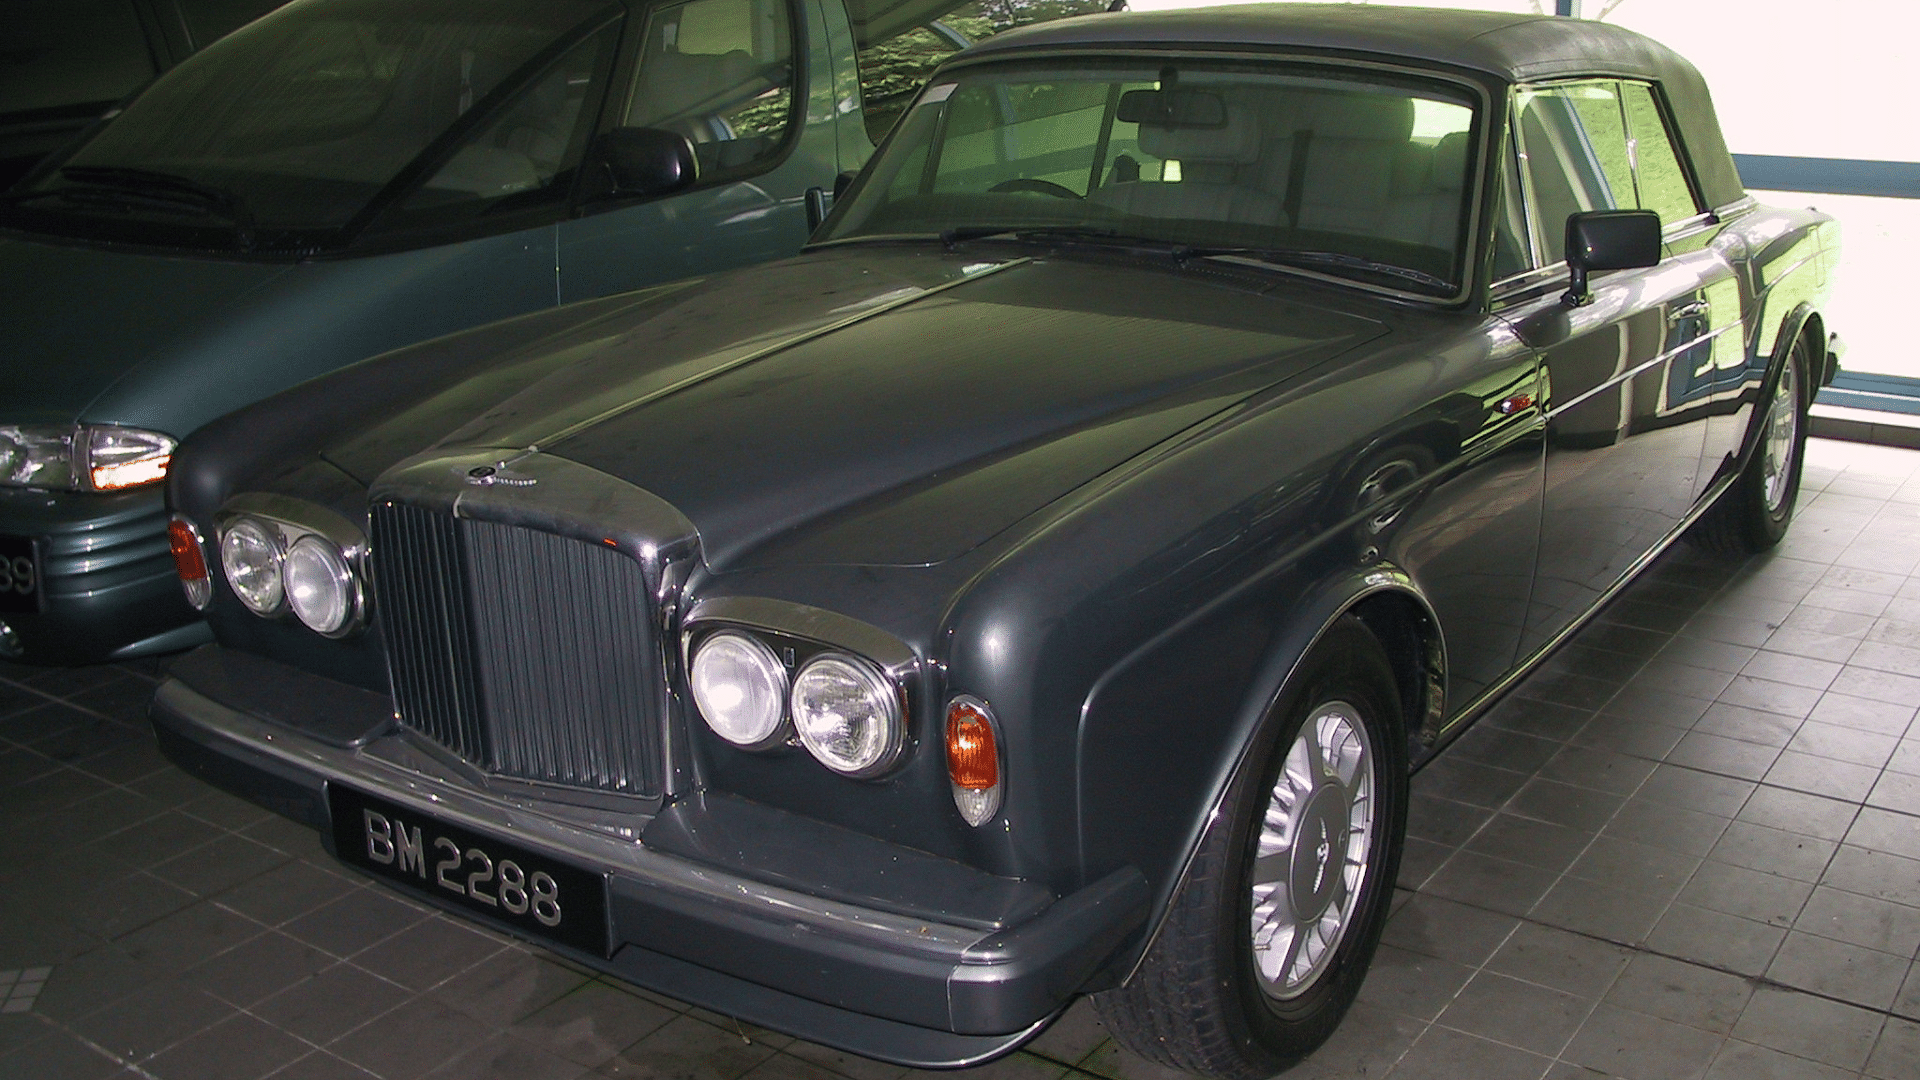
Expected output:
(1776, 447)
(1315, 840)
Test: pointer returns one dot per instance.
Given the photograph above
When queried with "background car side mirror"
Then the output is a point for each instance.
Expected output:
(1608, 240)
(636, 162)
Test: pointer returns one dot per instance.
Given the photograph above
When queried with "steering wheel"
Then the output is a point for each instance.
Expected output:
(1038, 187)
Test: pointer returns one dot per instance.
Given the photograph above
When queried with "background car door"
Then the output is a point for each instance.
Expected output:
(724, 73)
(1625, 412)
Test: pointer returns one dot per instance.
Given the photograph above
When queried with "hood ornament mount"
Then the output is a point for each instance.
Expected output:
(501, 472)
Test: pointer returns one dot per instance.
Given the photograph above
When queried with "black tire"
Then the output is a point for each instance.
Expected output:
(1198, 1002)
(1752, 515)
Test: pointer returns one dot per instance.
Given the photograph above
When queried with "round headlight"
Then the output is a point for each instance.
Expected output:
(740, 688)
(847, 714)
(250, 555)
(319, 585)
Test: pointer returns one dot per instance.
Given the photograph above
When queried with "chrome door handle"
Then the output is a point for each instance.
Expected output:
(1698, 309)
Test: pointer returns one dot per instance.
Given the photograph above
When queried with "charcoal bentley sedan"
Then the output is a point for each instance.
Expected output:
(1044, 584)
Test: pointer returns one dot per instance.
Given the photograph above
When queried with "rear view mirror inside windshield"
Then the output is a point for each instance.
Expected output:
(1173, 108)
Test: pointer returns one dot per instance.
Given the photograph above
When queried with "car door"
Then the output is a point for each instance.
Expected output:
(1625, 412)
(1711, 375)
(739, 79)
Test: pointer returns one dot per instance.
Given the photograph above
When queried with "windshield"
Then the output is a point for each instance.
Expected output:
(1347, 172)
(295, 123)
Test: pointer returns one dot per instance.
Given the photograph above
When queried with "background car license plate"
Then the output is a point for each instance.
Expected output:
(537, 894)
(19, 575)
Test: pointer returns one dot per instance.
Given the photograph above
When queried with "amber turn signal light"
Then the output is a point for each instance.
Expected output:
(190, 561)
(973, 761)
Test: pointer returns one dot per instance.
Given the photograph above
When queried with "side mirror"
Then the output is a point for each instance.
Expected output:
(844, 181)
(1608, 240)
(636, 162)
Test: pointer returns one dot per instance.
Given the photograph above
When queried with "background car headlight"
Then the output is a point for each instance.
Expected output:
(36, 456)
(847, 714)
(120, 457)
(319, 586)
(250, 556)
(88, 457)
(740, 688)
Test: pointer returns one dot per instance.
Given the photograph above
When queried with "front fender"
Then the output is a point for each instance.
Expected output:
(1169, 729)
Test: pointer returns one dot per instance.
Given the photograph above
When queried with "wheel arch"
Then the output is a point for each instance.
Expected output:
(1391, 606)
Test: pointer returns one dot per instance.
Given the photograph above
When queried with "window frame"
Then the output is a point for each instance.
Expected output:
(627, 67)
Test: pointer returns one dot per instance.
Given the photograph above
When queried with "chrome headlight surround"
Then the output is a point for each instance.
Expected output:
(328, 545)
(800, 636)
(848, 715)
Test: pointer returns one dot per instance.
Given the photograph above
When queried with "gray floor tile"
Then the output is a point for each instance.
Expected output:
(1896, 791)
(239, 1048)
(1774, 851)
(1797, 811)
(503, 1057)
(1368, 1043)
(287, 892)
(1662, 825)
(1809, 1027)
(1839, 970)
(427, 953)
(1636, 1046)
(58, 1056)
(1748, 725)
(686, 1049)
(412, 1040)
(1728, 757)
(1516, 1013)
(1886, 830)
(1554, 958)
(1694, 789)
(331, 1003)
(257, 969)
(152, 1019)
(320, 1065)
(1435, 926)
(508, 986)
(1499, 884)
(1822, 776)
(1573, 807)
(1410, 983)
(353, 922)
(1442, 1054)
(592, 1023)
(1875, 873)
(1594, 910)
(1865, 714)
(1746, 1061)
(1716, 939)
(1534, 843)
(1862, 920)
(1840, 743)
(1896, 1056)
(1684, 993)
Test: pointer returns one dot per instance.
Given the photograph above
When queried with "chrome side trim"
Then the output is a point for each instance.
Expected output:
(1685, 346)
(525, 824)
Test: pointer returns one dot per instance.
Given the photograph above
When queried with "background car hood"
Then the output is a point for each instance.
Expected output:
(79, 319)
(913, 430)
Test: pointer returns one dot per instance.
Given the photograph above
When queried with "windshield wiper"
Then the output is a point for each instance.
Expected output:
(1302, 257)
(960, 233)
(101, 183)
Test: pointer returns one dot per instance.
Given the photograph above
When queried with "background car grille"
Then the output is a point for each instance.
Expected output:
(525, 653)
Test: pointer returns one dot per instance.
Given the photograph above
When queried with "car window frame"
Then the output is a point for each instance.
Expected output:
(1516, 287)
(365, 233)
(584, 203)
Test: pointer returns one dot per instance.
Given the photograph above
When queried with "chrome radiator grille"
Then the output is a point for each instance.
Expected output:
(525, 653)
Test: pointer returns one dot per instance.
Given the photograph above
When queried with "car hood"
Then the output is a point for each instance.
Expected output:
(80, 319)
(913, 423)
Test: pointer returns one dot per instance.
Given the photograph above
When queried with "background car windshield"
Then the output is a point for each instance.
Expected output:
(1258, 156)
(304, 116)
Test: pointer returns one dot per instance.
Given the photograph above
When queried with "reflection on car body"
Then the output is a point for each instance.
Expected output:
(1044, 584)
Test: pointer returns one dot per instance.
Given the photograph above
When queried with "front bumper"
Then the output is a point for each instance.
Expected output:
(887, 982)
(107, 583)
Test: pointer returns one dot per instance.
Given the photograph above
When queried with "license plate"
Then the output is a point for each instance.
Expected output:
(535, 893)
(19, 575)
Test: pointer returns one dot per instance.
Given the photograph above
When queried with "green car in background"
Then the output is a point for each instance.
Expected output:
(345, 177)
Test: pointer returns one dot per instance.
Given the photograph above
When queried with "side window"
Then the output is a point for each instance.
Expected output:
(527, 154)
(1663, 184)
(210, 20)
(57, 53)
(1573, 151)
(719, 72)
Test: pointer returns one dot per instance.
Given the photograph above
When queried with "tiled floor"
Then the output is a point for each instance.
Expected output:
(1688, 847)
